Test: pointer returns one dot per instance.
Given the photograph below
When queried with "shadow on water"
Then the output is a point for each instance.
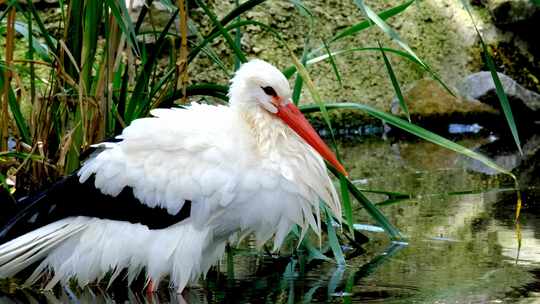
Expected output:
(461, 240)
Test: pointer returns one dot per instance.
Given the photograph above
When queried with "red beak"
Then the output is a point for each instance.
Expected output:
(292, 116)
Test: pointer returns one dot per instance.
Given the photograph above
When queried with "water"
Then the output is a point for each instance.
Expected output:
(462, 244)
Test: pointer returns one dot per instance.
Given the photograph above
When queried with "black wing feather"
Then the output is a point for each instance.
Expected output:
(69, 197)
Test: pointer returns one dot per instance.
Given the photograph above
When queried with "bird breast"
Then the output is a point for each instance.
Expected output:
(286, 157)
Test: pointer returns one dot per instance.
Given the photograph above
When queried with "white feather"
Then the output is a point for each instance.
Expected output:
(243, 169)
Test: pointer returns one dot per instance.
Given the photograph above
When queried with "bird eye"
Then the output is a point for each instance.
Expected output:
(269, 91)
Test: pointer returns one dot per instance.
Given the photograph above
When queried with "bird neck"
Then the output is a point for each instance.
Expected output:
(267, 130)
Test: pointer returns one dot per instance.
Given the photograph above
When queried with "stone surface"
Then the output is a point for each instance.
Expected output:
(439, 31)
(427, 98)
(481, 86)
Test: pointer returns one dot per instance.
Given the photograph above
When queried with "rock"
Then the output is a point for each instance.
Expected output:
(510, 12)
(480, 86)
(439, 31)
(427, 98)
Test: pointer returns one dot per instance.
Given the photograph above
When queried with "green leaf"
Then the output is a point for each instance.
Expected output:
(413, 129)
(210, 37)
(313, 91)
(30, 57)
(237, 40)
(200, 89)
(20, 155)
(395, 83)
(390, 201)
(333, 63)
(299, 82)
(41, 49)
(503, 99)
(314, 253)
(346, 200)
(297, 89)
(121, 15)
(288, 72)
(242, 8)
(335, 279)
(215, 32)
(302, 9)
(214, 57)
(142, 15)
(3, 182)
(161, 84)
(390, 194)
(140, 101)
(50, 41)
(91, 23)
(332, 237)
(366, 24)
(387, 29)
(24, 131)
(217, 24)
(370, 208)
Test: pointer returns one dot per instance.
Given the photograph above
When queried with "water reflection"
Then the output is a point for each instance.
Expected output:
(88, 295)
(290, 286)
(461, 247)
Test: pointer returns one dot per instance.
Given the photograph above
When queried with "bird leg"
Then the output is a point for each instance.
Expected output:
(150, 287)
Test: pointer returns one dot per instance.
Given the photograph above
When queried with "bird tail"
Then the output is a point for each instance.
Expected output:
(19, 253)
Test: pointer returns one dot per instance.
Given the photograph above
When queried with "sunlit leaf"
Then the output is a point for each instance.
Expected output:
(288, 72)
(413, 129)
(352, 30)
(395, 84)
(332, 237)
(503, 99)
(333, 63)
(346, 201)
(387, 29)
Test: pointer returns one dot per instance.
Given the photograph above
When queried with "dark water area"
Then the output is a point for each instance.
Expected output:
(458, 217)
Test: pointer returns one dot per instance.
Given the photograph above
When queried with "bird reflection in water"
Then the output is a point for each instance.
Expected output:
(288, 284)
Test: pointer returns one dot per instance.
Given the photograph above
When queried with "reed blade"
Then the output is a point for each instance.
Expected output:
(358, 27)
(413, 129)
(501, 95)
(395, 84)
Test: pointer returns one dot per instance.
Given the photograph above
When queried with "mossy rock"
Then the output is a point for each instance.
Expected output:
(439, 31)
(428, 98)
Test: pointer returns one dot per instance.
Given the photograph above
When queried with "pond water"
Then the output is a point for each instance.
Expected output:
(462, 244)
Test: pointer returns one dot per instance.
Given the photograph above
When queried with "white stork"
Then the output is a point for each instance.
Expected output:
(176, 187)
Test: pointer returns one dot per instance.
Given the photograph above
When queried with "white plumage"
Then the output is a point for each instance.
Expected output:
(244, 170)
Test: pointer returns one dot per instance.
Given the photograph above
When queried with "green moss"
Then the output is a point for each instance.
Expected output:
(430, 28)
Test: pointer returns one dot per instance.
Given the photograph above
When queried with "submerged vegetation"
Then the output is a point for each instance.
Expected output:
(86, 81)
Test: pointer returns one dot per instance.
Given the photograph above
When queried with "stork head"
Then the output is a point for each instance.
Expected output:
(259, 84)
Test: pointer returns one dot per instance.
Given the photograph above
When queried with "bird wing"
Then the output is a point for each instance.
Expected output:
(179, 155)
